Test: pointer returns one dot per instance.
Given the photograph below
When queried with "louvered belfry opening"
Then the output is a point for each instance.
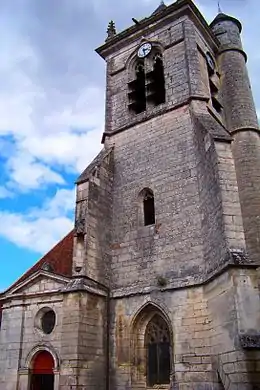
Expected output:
(148, 87)
(136, 95)
(157, 342)
(214, 81)
(155, 82)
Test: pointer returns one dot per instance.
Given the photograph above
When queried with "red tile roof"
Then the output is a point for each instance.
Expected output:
(59, 258)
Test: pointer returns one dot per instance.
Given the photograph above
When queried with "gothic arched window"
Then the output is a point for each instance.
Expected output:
(148, 207)
(157, 343)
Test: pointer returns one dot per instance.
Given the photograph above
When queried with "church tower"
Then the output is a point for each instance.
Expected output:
(182, 133)
(157, 286)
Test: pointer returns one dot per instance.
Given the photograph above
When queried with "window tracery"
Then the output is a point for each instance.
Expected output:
(157, 342)
(157, 331)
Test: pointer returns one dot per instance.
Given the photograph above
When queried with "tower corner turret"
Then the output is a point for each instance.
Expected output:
(241, 121)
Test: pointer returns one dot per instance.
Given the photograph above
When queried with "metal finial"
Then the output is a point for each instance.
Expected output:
(111, 30)
(219, 9)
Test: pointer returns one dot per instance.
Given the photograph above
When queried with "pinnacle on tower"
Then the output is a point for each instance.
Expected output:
(160, 8)
(111, 30)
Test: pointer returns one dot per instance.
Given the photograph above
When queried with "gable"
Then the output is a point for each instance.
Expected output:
(40, 282)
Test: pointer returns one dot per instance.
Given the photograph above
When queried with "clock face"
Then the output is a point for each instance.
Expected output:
(144, 50)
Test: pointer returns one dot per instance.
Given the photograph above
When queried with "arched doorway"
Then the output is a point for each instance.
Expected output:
(151, 348)
(42, 376)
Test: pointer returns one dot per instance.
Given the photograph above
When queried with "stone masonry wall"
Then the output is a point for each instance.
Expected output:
(206, 323)
(20, 336)
(211, 209)
(191, 328)
(233, 304)
(160, 154)
(83, 346)
(93, 214)
(233, 223)
(98, 225)
(246, 152)
(10, 342)
(168, 155)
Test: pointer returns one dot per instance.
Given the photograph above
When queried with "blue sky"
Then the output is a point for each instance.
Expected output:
(52, 110)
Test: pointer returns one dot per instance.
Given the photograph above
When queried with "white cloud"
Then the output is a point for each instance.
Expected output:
(29, 174)
(70, 138)
(62, 203)
(18, 91)
(39, 229)
(50, 128)
(39, 235)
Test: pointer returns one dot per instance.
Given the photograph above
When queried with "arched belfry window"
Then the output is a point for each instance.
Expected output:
(157, 343)
(148, 207)
(156, 83)
(136, 95)
(148, 83)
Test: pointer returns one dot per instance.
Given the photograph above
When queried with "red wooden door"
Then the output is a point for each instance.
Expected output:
(42, 377)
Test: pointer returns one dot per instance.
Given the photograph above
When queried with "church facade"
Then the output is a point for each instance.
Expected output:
(157, 286)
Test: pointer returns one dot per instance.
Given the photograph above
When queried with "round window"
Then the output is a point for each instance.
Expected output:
(48, 321)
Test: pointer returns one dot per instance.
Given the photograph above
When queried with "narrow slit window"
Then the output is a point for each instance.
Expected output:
(149, 212)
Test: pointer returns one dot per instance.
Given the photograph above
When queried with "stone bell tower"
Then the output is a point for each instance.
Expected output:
(162, 225)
